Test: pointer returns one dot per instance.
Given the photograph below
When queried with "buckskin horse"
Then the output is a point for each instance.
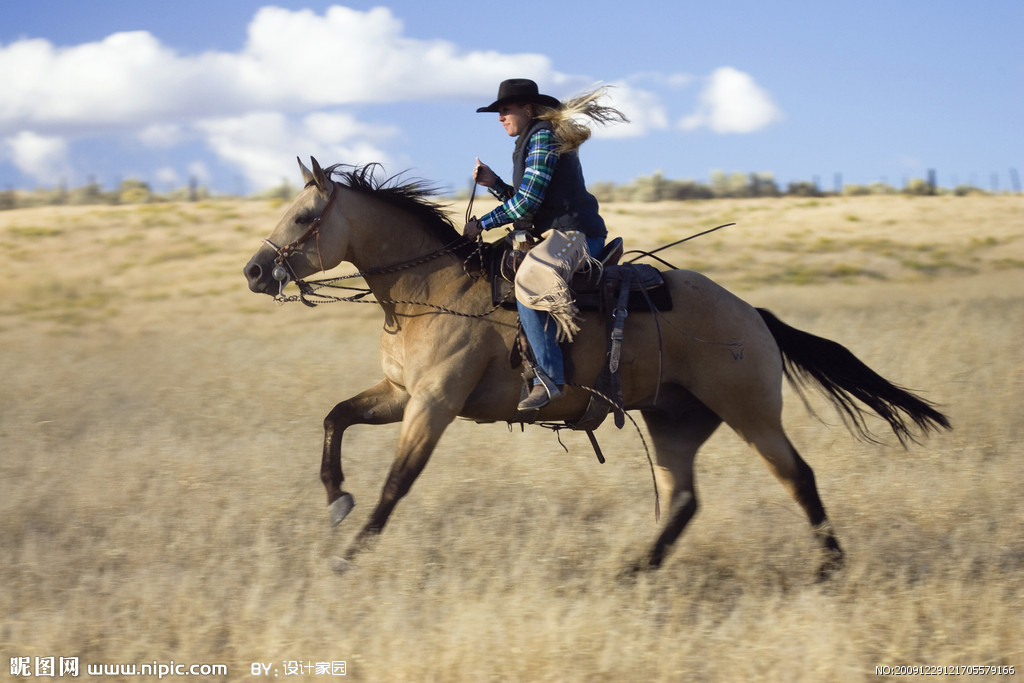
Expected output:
(445, 352)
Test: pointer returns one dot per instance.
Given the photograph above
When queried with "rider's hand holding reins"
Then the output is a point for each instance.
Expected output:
(472, 229)
(483, 175)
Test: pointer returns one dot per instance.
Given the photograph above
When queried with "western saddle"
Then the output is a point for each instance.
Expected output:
(614, 290)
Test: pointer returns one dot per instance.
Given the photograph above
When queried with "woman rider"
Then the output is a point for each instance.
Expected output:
(548, 193)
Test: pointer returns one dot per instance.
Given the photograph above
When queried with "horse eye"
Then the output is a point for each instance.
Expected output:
(305, 218)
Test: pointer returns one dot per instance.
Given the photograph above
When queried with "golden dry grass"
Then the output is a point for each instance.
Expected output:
(161, 436)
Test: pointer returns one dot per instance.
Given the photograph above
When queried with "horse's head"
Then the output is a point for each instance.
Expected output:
(296, 248)
(354, 216)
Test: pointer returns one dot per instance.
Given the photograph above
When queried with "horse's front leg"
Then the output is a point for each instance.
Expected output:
(381, 404)
(425, 420)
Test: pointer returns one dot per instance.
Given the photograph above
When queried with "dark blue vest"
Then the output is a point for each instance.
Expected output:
(567, 204)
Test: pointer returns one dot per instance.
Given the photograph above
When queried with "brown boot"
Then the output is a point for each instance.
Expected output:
(538, 398)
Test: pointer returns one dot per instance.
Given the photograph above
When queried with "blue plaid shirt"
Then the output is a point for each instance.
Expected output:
(541, 157)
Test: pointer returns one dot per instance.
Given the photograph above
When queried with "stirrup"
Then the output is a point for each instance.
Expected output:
(546, 381)
(536, 399)
(542, 392)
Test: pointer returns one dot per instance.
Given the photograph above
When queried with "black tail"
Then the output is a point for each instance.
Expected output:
(842, 377)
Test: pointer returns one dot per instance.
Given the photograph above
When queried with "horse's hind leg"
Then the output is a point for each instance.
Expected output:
(796, 475)
(676, 440)
(383, 403)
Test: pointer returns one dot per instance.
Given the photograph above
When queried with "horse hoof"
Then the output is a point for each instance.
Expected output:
(339, 565)
(829, 568)
(340, 508)
(631, 571)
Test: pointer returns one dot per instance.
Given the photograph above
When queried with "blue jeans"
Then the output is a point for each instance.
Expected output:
(543, 333)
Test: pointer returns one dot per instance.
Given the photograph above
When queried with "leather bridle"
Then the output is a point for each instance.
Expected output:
(283, 270)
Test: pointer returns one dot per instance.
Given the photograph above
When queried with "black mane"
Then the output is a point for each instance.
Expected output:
(413, 196)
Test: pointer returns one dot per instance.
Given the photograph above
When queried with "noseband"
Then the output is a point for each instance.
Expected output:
(283, 271)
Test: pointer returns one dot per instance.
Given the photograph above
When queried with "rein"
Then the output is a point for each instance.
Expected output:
(308, 290)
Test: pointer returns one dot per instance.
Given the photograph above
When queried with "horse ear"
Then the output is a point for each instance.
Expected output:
(307, 175)
(319, 177)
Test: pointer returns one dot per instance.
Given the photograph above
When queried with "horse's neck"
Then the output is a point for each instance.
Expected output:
(388, 248)
(423, 281)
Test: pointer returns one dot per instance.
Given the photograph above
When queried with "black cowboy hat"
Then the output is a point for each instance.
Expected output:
(522, 91)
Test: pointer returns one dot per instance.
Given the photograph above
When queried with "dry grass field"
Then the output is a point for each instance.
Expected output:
(160, 437)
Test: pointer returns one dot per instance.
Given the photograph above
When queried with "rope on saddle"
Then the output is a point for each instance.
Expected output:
(651, 254)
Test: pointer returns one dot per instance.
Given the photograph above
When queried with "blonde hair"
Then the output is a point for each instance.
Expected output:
(569, 129)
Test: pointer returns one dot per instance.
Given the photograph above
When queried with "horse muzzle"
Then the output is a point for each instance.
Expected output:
(267, 277)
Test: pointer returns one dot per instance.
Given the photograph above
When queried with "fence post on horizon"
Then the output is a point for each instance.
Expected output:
(1015, 180)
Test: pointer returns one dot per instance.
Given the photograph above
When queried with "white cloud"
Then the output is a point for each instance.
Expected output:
(910, 162)
(732, 102)
(41, 157)
(293, 63)
(167, 177)
(199, 171)
(127, 78)
(349, 56)
(162, 135)
(264, 145)
(673, 81)
(643, 108)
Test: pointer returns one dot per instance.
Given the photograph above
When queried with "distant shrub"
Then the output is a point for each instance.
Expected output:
(865, 190)
(740, 185)
(728, 184)
(803, 188)
(761, 185)
(649, 188)
(133, 191)
(689, 189)
(605, 192)
(882, 188)
(191, 193)
(92, 194)
(968, 191)
(652, 188)
(284, 191)
(918, 187)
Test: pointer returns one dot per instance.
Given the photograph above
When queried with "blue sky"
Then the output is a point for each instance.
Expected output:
(231, 92)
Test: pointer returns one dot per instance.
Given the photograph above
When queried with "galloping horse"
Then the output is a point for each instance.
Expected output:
(721, 359)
